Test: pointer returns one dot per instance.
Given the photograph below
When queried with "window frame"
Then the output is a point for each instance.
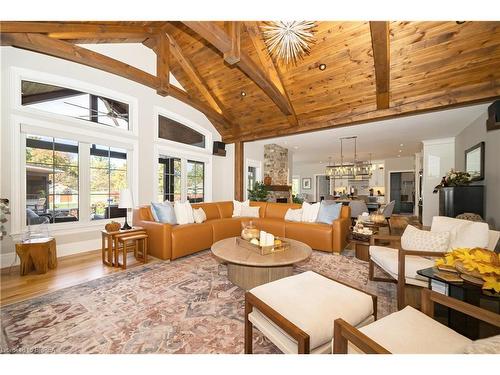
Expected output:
(195, 162)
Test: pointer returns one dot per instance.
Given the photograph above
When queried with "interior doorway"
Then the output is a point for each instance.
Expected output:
(322, 187)
(402, 191)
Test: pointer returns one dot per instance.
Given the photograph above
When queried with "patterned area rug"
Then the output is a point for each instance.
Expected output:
(185, 306)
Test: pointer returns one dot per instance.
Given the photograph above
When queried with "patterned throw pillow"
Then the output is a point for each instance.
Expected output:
(237, 207)
(416, 239)
(199, 215)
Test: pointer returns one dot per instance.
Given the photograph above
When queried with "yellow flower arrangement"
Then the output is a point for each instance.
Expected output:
(480, 263)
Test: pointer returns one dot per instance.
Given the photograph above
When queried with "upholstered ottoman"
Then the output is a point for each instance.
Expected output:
(297, 313)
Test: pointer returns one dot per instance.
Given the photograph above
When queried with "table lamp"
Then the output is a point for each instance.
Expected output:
(127, 202)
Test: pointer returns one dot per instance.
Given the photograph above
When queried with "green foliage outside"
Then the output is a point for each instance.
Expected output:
(258, 192)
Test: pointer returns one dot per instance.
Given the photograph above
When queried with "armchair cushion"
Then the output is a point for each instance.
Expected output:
(410, 331)
(463, 233)
(416, 239)
(312, 302)
(387, 259)
(490, 345)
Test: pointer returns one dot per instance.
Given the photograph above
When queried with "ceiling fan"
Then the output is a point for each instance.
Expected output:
(112, 113)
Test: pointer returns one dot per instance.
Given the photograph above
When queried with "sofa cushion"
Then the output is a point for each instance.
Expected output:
(328, 212)
(318, 236)
(417, 239)
(294, 215)
(463, 233)
(410, 331)
(225, 228)
(273, 226)
(387, 259)
(190, 238)
(183, 213)
(312, 302)
(199, 215)
(237, 206)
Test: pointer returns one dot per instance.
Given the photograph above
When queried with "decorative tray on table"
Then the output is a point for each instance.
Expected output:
(279, 245)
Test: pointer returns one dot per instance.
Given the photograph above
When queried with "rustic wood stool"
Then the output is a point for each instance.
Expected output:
(38, 254)
(140, 245)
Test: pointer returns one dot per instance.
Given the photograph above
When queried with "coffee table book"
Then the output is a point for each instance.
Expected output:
(263, 250)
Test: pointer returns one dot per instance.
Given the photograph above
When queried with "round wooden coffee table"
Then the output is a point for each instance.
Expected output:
(248, 269)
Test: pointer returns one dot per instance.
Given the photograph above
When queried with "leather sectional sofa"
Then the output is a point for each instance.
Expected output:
(173, 241)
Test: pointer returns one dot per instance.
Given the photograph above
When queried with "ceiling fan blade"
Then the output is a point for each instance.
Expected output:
(110, 109)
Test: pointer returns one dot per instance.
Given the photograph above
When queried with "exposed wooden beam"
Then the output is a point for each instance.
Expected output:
(163, 63)
(101, 37)
(267, 63)
(64, 50)
(221, 41)
(194, 76)
(381, 56)
(472, 96)
(233, 29)
(238, 170)
(71, 27)
(48, 96)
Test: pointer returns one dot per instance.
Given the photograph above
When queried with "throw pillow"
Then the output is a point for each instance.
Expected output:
(249, 211)
(183, 213)
(328, 212)
(490, 345)
(199, 215)
(164, 212)
(237, 207)
(293, 215)
(310, 212)
(416, 239)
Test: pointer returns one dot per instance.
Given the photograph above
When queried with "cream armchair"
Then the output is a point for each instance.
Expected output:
(402, 264)
(410, 331)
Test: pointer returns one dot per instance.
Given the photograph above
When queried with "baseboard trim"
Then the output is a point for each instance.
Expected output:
(10, 259)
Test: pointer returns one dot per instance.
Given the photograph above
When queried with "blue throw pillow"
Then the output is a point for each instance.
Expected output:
(328, 212)
(164, 212)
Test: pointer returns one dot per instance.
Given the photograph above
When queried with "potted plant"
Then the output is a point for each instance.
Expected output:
(258, 192)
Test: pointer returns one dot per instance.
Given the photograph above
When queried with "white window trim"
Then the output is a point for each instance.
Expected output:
(168, 150)
(252, 163)
(19, 74)
(181, 147)
(20, 126)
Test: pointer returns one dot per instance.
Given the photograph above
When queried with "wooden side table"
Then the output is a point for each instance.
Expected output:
(109, 242)
(38, 254)
(139, 241)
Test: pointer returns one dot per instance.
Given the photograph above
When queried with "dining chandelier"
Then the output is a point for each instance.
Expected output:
(353, 170)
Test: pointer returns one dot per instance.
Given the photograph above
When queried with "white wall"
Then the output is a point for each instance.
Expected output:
(469, 137)
(147, 100)
(438, 159)
(223, 176)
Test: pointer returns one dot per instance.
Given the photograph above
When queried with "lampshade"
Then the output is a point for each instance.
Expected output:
(126, 200)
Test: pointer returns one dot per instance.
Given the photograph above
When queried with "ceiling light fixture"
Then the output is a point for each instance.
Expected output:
(243, 93)
(289, 41)
(401, 145)
(322, 66)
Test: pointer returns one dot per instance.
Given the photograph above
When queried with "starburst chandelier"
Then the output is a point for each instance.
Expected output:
(289, 41)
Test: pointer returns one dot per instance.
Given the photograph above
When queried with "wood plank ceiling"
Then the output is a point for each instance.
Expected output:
(373, 70)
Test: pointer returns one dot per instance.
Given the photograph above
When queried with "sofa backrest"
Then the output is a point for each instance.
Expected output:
(225, 209)
(278, 210)
(345, 212)
(143, 213)
(262, 205)
(211, 210)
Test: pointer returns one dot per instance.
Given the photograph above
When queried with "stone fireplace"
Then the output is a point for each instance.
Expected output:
(276, 166)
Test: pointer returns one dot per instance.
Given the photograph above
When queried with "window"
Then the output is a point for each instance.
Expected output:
(76, 104)
(169, 179)
(174, 131)
(295, 185)
(108, 175)
(51, 180)
(195, 181)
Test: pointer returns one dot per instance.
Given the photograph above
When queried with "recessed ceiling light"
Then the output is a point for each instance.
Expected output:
(401, 145)
(243, 93)
(399, 156)
(321, 162)
(296, 147)
(322, 66)
(400, 150)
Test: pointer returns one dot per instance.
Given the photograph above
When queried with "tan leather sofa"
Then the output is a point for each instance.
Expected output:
(173, 241)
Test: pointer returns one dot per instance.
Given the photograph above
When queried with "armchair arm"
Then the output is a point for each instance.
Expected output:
(160, 238)
(343, 332)
(340, 233)
(430, 297)
(252, 301)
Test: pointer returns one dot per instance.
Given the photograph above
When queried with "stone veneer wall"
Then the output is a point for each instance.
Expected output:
(276, 166)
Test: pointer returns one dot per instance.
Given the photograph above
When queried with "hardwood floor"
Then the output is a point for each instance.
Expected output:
(71, 270)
